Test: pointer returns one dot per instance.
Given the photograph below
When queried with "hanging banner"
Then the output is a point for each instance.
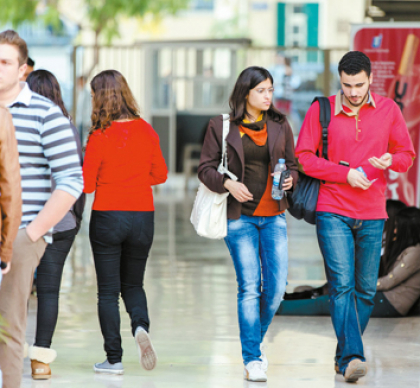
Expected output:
(393, 49)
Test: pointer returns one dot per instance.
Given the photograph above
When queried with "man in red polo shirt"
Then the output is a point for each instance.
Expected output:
(368, 131)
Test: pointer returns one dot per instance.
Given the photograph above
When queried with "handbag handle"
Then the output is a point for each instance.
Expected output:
(223, 167)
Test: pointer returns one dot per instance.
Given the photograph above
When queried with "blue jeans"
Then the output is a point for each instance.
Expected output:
(258, 246)
(352, 252)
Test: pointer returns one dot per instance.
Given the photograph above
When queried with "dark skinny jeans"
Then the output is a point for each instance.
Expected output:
(49, 273)
(120, 241)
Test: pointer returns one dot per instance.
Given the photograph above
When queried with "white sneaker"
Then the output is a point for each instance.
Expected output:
(254, 372)
(147, 354)
(263, 358)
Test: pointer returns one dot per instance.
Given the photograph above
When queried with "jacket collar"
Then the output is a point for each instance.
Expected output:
(234, 139)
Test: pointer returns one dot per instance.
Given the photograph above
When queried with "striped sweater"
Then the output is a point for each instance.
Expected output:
(46, 147)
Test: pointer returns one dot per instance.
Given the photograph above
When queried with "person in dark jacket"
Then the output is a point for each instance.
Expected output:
(50, 269)
(259, 136)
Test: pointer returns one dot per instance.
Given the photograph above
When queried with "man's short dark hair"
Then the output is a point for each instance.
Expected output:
(353, 63)
(30, 62)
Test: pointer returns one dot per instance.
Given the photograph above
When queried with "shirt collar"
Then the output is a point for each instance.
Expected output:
(24, 97)
(340, 107)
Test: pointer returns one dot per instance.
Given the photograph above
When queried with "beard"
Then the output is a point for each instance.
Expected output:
(364, 99)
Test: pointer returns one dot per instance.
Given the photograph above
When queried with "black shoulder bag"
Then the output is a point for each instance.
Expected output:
(303, 200)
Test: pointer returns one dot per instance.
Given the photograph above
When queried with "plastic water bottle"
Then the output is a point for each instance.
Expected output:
(277, 193)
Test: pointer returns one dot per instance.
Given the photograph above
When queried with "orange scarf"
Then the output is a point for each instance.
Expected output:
(258, 137)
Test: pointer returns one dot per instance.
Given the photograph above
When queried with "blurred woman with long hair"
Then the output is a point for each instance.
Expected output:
(400, 283)
(50, 269)
(393, 206)
(123, 160)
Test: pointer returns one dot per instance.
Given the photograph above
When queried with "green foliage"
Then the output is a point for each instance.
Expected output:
(104, 16)
(17, 12)
(51, 18)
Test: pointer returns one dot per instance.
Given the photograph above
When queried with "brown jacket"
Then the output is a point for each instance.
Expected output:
(401, 285)
(280, 145)
(10, 189)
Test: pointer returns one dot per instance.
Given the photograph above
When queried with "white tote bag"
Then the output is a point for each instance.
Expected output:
(209, 213)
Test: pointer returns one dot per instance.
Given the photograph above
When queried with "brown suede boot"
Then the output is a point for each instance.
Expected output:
(41, 358)
(40, 371)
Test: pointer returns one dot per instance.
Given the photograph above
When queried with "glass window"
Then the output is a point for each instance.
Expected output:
(298, 9)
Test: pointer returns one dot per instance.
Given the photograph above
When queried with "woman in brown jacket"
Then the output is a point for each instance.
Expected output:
(259, 136)
(399, 289)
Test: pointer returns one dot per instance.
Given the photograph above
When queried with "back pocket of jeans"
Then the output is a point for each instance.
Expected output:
(106, 227)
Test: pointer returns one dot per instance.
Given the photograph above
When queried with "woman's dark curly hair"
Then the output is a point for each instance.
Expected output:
(111, 100)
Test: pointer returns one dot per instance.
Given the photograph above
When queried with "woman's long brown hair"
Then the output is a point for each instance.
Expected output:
(247, 80)
(44, 83)
(112, 100)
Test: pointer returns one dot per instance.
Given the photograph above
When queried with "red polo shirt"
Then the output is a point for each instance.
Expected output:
(378, 128)
(121, 164)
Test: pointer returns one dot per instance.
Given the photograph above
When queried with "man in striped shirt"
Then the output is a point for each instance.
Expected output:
(46, 148)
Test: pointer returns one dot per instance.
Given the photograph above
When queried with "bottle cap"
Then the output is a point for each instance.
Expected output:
(282, 161)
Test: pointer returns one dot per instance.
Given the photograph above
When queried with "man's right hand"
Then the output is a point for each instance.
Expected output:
(238, 190)
(357, 179)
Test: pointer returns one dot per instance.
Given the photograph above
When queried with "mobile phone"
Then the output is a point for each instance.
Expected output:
(284, 175)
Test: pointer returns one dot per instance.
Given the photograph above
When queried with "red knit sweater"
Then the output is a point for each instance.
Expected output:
(378, 128)
(122, 164)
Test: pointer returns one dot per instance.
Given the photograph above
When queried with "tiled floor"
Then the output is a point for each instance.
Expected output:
(191, 291)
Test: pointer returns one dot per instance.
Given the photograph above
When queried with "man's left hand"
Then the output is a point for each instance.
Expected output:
(383, 162)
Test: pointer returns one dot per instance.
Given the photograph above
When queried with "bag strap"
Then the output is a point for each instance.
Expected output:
(226, 126)
(324, 119)
(223, 167)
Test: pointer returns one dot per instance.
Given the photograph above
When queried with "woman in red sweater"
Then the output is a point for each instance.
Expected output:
(123, 160)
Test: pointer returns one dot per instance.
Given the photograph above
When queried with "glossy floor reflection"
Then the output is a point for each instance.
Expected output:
(191, 291)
